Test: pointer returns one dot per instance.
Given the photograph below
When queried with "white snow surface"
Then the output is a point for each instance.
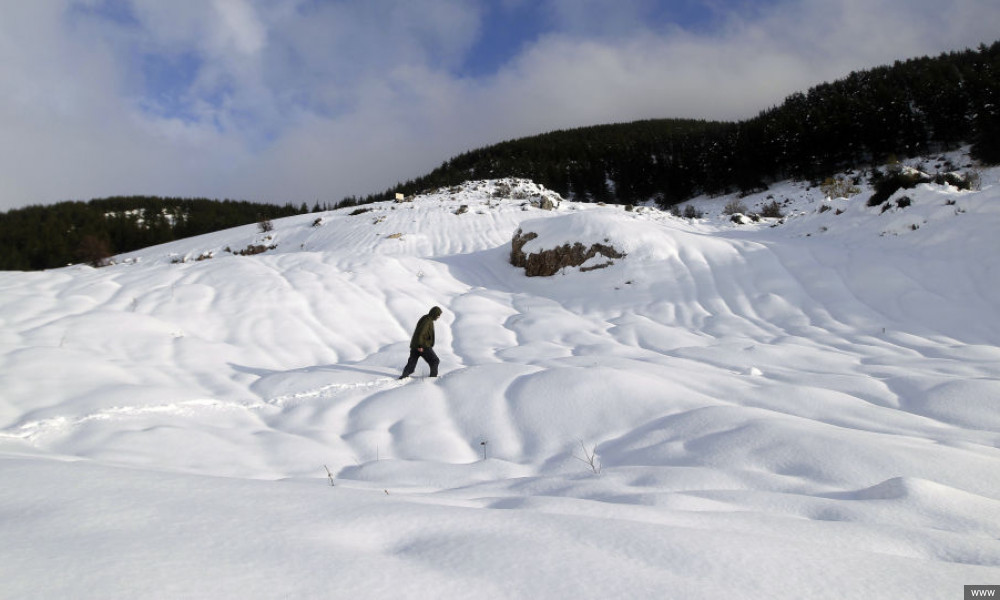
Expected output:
(796, 410)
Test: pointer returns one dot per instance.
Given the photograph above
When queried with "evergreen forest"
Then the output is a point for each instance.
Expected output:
(43, 237)
(910, 108)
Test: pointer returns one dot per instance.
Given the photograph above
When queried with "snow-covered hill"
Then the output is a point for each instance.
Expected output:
(797, 410)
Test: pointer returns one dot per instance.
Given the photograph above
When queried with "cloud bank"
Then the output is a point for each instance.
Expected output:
(313, 100)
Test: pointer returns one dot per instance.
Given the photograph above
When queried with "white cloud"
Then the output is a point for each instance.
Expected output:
(239, 26)
(297, 100)
(586, 18)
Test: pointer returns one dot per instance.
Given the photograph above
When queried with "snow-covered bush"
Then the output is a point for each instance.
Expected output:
(962, 181)
(887, 185)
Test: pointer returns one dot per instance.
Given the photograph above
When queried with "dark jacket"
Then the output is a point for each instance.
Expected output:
(423, 333)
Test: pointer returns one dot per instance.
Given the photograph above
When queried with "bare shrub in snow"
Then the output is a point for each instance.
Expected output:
(253, 249)
(734, 207)
(690, 212)
(590, 458)
(772, 210)
(839, 187)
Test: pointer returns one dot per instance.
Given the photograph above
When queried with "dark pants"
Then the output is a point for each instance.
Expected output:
(428, 355)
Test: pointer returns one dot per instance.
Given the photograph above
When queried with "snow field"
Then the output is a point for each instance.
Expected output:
(807, 410)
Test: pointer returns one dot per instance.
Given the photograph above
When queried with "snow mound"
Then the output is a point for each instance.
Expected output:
(639, 239)
(588, 241)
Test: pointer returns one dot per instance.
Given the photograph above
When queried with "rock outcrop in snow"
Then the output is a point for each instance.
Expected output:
(549, 262)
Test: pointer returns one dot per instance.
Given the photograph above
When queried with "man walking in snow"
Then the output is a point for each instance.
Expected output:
(422, 344)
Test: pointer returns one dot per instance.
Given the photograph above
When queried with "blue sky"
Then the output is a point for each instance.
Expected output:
(306, 100)
(508, 27)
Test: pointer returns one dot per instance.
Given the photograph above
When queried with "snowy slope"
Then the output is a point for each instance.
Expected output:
(804, 410)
